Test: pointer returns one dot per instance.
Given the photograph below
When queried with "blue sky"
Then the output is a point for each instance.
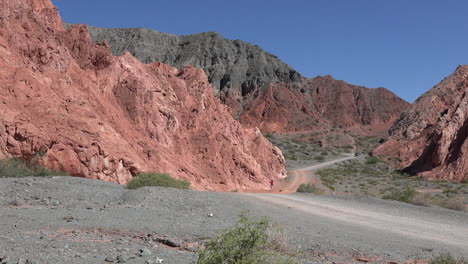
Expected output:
(407, 46)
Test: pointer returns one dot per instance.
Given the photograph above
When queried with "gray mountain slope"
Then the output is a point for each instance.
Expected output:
(259, 89)
(232, 65)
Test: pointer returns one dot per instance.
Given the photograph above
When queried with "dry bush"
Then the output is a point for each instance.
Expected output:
(421, 199)
(453, 204)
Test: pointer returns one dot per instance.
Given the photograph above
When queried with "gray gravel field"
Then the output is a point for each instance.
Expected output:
(76, 220)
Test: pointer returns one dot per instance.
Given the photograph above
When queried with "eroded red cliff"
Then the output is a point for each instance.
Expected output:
(430, 138)
(322, 102)
(105, 117)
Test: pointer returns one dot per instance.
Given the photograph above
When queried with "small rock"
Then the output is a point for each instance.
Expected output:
(122, 259)
(5, 260)
(145, 252)
(210, 215)
(109, 259)
(158, 260)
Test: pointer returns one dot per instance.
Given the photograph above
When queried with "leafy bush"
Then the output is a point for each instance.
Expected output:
(307, 188)
(403, 196)
(156, 179)
(14, 167)
(447, 259)
(249, 241)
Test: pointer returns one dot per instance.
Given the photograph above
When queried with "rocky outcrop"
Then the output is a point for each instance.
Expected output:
(231, 65)
(96, 115)
(259, 88)
(323, 102)
(430, 138)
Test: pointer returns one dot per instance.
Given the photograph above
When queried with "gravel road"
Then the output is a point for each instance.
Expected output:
(306, 174)
(76, 220)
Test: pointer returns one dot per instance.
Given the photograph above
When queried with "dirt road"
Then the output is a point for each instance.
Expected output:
(302, 175)
(402, 223)
(75, 220)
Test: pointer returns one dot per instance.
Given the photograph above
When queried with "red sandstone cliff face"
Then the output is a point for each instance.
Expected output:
(430, 138)
(322, 102)
(105, 117)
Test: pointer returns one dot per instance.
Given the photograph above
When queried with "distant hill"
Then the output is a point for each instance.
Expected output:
(260, 89)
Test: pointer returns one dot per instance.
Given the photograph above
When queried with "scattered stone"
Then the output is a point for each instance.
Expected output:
(145, 252)
(109, 259)
(68, 218)
(122, 259)
(169, 242)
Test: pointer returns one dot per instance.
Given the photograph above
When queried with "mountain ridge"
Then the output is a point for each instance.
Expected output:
(240, 72)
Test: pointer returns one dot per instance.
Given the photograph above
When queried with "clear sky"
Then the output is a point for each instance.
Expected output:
(407, 46)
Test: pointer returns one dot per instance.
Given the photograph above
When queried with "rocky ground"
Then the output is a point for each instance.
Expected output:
(77, 220)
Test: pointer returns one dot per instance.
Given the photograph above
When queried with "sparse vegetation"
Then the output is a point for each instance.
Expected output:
(371, 176)
(157, 179)
(328, 178)
(308, 188)
(372, 160)
(14, 167)
(447, 259)
(403, 196)
(319, 158)
(250, 241)
(269, 136)
(450, 203)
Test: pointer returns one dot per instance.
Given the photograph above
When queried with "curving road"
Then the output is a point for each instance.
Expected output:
(302, 175)
(378, 225)
(386, 219)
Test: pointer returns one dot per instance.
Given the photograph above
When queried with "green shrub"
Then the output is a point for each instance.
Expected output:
(14, 167)
(248, 242)
(156, 179)
(402, 196)
(448, 191)
(447, 259)
(307, 188)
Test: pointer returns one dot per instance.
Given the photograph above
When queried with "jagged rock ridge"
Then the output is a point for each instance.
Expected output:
(245, 78)
(430, 138)
(229, 64)
(100, 116)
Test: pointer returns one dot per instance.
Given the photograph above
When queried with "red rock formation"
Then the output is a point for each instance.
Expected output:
(321, 102)
(280, 108)
(430, 138)
(105, 117)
